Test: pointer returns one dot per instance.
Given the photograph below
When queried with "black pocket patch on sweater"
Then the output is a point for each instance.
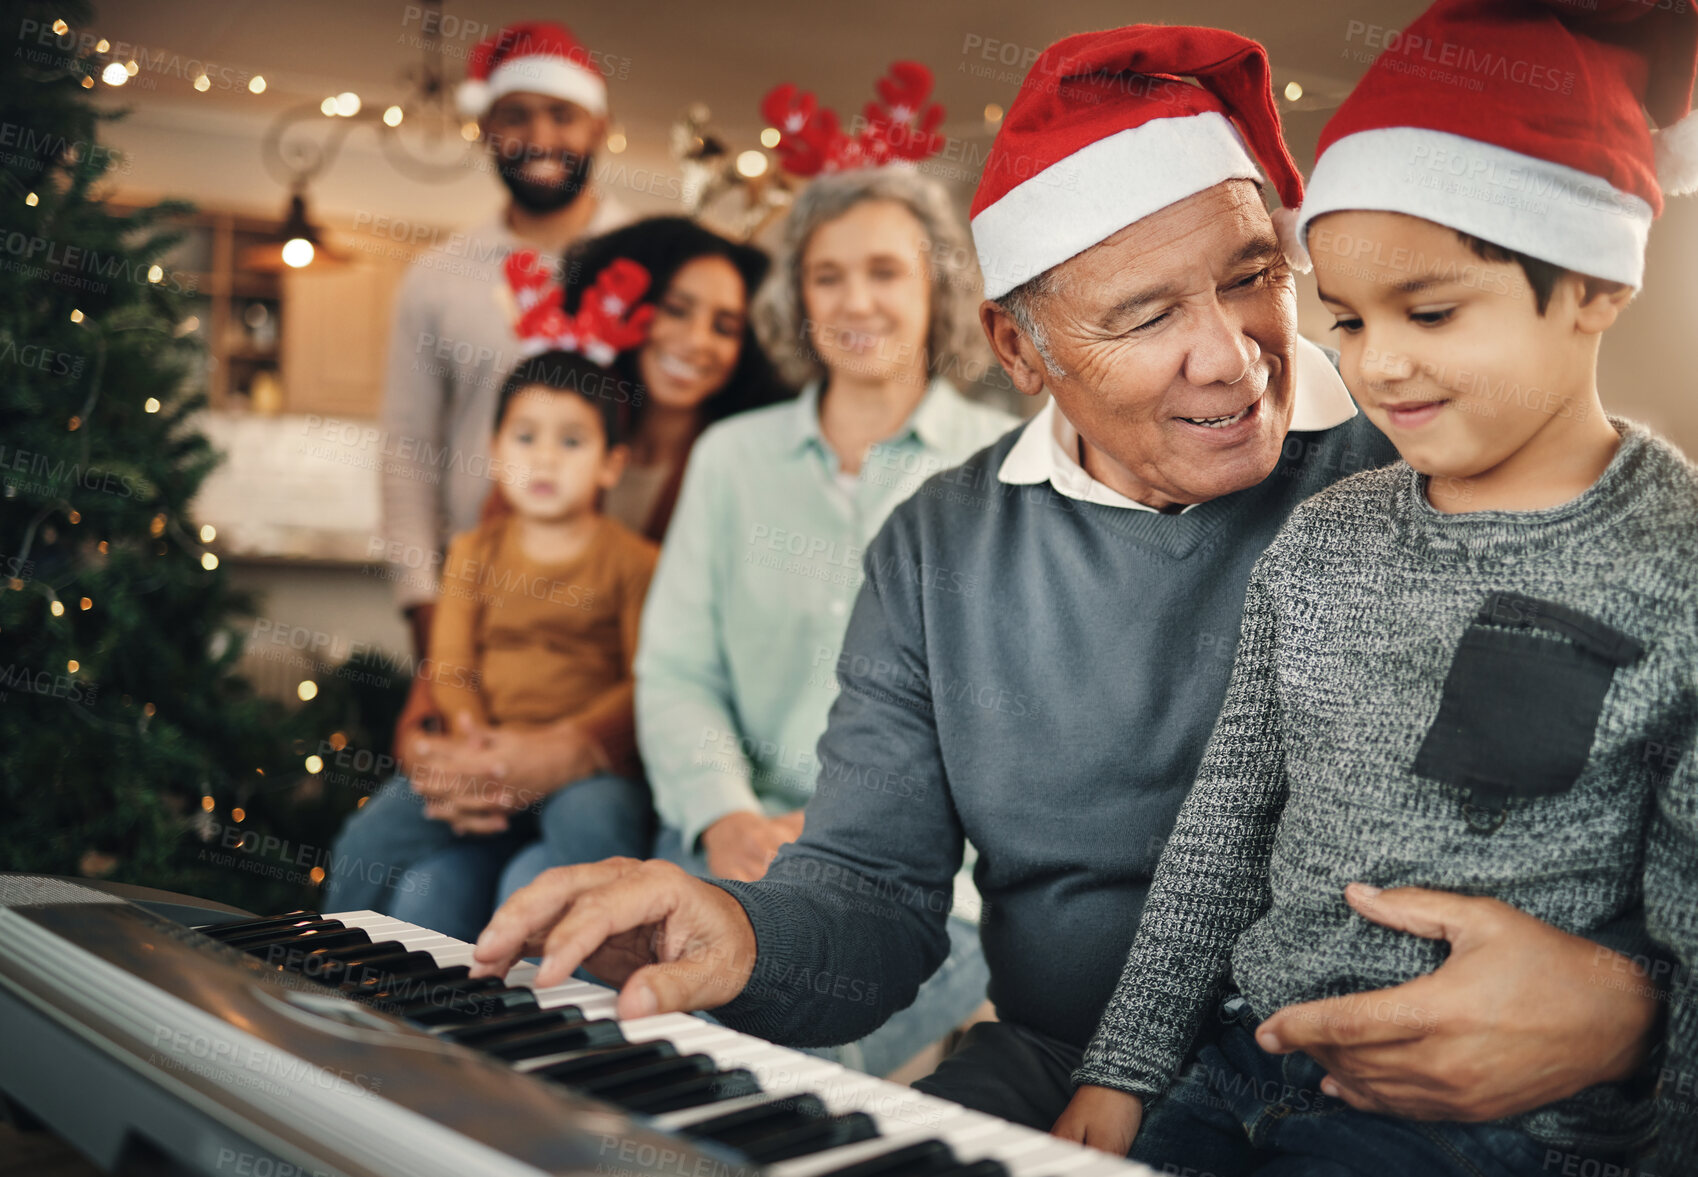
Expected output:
(1521, 703)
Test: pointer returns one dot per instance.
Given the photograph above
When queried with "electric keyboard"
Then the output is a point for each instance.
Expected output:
(356, 1045)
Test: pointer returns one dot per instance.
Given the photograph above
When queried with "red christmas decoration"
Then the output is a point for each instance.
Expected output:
(901, 126)
(605, 323)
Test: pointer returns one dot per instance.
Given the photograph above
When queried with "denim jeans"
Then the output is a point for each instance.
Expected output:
(600, 817)
(391, 858)
(1238, 1111)
(944, 1001)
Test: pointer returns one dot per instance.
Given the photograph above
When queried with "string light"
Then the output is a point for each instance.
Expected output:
(307, 690)
(316, 874)
(751, 164)
(76, 315)
(85, 604)
(73, 666)
(114, 74)
(155, 273)
(150, 405)
(1293, 91)
(156, 526)
(203, 83)
(74, 424)
(616, 142)
(75, 516)
(57, 608)
(338, 741)
(993, 112)
(131, 68)
(208, 561)
(31, 199)
(328, 107)
(208, 533)
(347, 104)
(238, 814)
(315, 764)
(770, 136)
(147, 710)
(469, 130)
(61, 27)
(256, 85)
(102, 45)
(206, 803)
(392, 117)
(88, 82)
(103, 547)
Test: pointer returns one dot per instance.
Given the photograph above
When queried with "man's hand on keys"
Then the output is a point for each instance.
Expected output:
(670, 941)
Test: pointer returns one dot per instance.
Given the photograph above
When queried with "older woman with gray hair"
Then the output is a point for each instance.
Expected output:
(872, 301)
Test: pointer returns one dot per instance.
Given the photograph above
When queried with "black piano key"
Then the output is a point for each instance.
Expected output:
(505, 1025)
(264, 936)
(637, 1079)
(605, 1061)
(925, 1158)
(462, 1007)
(760, 1113)
(393, 992)
(416, 968)
(693, 1092)
(239, 927)
(574, 1036)
(984, 1168)
(806, 1134)
(296, 950)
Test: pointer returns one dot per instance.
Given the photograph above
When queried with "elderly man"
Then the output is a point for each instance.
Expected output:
(1056, 717)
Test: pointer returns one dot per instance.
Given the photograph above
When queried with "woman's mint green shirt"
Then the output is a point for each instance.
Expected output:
(736, 664)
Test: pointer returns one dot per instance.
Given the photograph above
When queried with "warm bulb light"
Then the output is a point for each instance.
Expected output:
(203, 83)
(347, 104)
(328, 107)
(31, 199)
(208, 533)
(114, 74)
(315, 764)
(1293, 91)
(993, 112)
(307, 690)
(393, 116)
(155, 273)
(297, 252)
(150, 405)
(469, 130)
(770, 136)
(57, 608)
(61, 27)
(85, 604)
(616, 142)
(76, 315)
(238, 814)
(256, 85)
(131, 68)
(751, 164)
(207, 560)
(102, 45)
(73, 666)
(206, 803)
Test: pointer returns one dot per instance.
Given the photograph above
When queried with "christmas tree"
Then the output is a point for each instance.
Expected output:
(129, 746)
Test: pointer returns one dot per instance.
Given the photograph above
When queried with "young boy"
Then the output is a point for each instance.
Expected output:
(536, 624)
(1466, 671)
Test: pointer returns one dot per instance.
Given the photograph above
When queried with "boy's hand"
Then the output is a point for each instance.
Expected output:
(1101, 1117)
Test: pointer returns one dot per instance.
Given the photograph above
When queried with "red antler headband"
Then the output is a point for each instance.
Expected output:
(902, 126)
(597, 331)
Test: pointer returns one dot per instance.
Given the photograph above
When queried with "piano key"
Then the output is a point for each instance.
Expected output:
(718, 1087)
(875, 1158)
(505, 1025)
(562, 1040)
(264, 936)
(387, 973)
(277, 952)
(596, 1062)
(238, 927)
(460, 1007)
(656, 1073)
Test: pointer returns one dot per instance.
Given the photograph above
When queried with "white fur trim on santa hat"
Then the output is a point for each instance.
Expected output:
(537, 74)
(1677, 156)
(1097, 191)
(1546, 210)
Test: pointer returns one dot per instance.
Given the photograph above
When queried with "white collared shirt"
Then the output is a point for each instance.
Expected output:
(1048, 448)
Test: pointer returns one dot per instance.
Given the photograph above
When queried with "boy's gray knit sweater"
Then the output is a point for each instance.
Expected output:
(1492, 703)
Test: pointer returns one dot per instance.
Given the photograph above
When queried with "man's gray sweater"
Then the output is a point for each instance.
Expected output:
(1038, 674)
(1492, 703)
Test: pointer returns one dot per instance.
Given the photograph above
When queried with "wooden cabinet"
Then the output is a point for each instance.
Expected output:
(336, 334)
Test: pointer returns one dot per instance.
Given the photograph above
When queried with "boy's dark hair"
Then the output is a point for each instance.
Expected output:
(565, 371)
(1542, 276)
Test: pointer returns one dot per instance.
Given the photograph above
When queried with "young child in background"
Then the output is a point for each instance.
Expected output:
(1474, 671)
(536, 624)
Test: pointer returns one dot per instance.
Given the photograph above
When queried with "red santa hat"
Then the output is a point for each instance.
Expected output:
(1106, 131)
(537, 56)
(1523, 123)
